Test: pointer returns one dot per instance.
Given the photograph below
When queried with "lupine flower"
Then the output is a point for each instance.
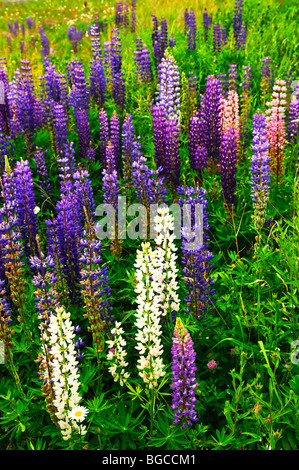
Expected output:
(196, 257)
(237, 23)
(164, 276)
(150, 363)
(25, 197)
(97, 81)
(129, 148)
(260, 170)
(64, 373)
(74, 36)
(276, 127)
(228, 166)
(168, 94)
(45, 50)
(245, 104)
(79, 96)
(171, 164)
(133, 16)
(94, 286)
(104, 135)
(267, 76)
(117, 355)
(197, 149)
(232, 77)
(148, 184)
(230, 115)
(183, 377)
(142, 61)
(84, 193)
(241, 42)
(293, 117)
(115, 138)
(41, 169)
(60, 126)
(85, 143)
(159, 39)
(211, 110)
(207, 21)
(191, 30)
(216, 38)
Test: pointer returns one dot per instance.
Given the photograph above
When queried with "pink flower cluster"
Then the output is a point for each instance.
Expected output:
(276, 126)
(230, 114)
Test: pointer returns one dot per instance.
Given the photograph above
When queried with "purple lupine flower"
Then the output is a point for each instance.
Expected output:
(74, 36)
(196, 257)
(171, 41)
(84, 193)
(96, 41)
(29, 22)
(5, 113)
(159, 118)
(168, 94)
(119, 18)
(293, 118)
(228, 166)
(142, 61)
(104, 135)
(68, 229)
(148, 184)
(223, 82)
(83, 129)
(192, 30)
(6, 149)
(207, 21)
(97, 82)
(216, 38)
(232, 77)
(133, 16)
(267, 75)
(22, 47)
(79, 96)
(183, 377)
(115, 137)
(129, 147)
(237, 22)
(25, 197)
(119, 90)
(60, 126)
(159, 39)
(66, 169)
(171, 165)
(53, 90)
(126, 15)
(260, 169)
(186, 21)
(45, 50)
(41, 169)
(197, 150)
(247, 78)
(242, 38)
(223, 35)
(111, 192)
(211, 109)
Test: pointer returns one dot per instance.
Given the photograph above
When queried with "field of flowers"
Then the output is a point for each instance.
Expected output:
(149, 225)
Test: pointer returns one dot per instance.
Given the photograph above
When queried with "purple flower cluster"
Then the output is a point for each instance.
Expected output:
(45, 50)
(211, 112)
(237, 22)
(228, 166)
(293, 117)
(148, 183)
(260, 169)
(190, 27)
(196, 257)
(197, 149)
(74, 36)
(168, 94)
(207, 22)
(41, 169)
(183, 377)
(159, 39)
(143, 63)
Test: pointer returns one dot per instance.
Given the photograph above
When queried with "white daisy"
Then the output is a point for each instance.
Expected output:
(78, 413)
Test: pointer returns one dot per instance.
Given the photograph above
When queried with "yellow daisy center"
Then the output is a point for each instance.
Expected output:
(78, 413)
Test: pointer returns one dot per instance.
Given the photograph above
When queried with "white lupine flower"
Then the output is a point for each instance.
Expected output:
(117, 355)
(65, 372)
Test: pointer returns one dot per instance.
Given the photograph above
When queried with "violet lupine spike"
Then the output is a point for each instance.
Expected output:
(45, 50)
(119, 90)
(25, 197)
(168, 94)
(159, 119)
(68, 228)
(223, 35)
(104, 135)
(260, 170)
(148, 184)
(74, 36)
(183, 377)
(143, 63)
(242, 38)
(159, 39)
(267, 76)
(216, 38)
(96, 41)
(84, 193)
(237, 22)
(133, 16)
(53, 90)
(5, 113)
(126, 15)
(129, 148)
(83, 129)
(97, 82)
(60, 126)
(207, 21)
(186, 21)
(228, 166)
(79, 96)
(119, 18)
(232, 77)
(211, 109)
(196, 257)
(66, 168)
(115, 138)
(171, 164)
(197, 150)
(192, 30)
(293, 117)
(6, 149)
(41, 169)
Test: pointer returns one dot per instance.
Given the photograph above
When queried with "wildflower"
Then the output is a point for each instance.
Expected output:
(212, 365)
(117, 354)
(78, 413)
(183, 376)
